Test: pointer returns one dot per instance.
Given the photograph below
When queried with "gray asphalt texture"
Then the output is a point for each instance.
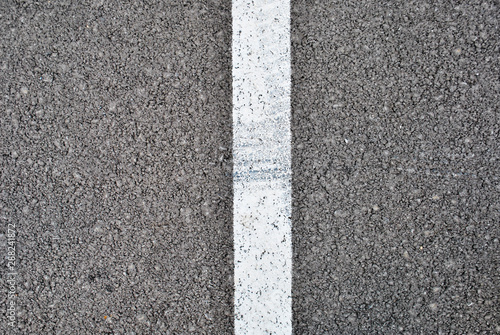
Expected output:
(396, 149)
(115, 155)
(115, 139)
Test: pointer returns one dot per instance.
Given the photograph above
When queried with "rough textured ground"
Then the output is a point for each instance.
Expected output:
(396, 167)
(115, 150)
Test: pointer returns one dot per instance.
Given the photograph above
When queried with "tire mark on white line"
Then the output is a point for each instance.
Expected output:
(262, 170)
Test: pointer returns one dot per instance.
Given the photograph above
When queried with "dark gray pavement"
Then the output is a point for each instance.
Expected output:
(396, 167)
(115, 139)
(115, 150)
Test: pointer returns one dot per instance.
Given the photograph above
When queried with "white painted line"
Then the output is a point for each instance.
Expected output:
(262, 170)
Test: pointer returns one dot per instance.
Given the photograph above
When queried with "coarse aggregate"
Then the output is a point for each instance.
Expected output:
(116, 165)
(395, 160)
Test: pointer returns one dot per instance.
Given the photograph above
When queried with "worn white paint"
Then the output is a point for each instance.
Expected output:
(262, 171)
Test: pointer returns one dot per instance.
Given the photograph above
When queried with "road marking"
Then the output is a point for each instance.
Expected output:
(262, 170)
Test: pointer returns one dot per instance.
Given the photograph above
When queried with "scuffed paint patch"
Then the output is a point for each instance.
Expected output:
(262, 169)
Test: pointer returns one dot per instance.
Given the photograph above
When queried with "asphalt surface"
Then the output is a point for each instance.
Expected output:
(115, 139)
(116, 148)
(395, 164)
